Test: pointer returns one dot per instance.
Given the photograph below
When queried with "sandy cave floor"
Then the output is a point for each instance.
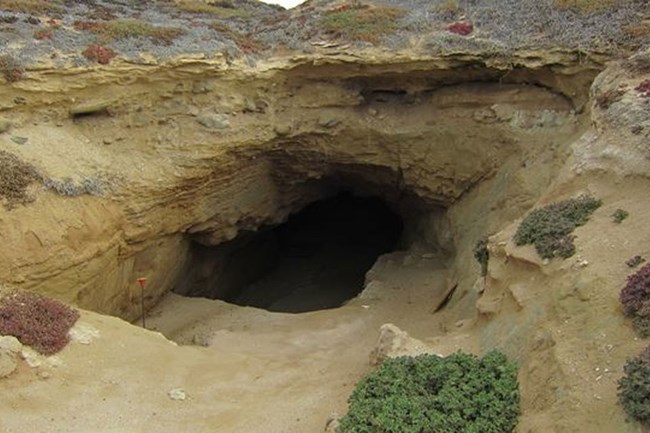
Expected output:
(248, 370)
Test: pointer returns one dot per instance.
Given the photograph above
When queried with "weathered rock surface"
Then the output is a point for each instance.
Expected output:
(166, 182)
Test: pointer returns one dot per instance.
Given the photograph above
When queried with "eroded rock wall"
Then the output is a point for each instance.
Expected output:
(199, 152)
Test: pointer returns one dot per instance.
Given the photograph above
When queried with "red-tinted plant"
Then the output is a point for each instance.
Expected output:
(44, 34)
(462, 29)
(99, 54)
(644, 89)
(37, 321)
(635, 298)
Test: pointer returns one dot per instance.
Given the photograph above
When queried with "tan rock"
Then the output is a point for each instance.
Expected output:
(394, 342)
(5, 125)
(7, 363)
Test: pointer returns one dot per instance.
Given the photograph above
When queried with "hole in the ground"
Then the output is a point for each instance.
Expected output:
(316, 260)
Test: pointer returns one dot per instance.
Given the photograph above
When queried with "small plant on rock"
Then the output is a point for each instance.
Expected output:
(549, 228)
(620, 215)
(99, 54)
(15, 177)
(635, 298)
(44, 34)
(462, 29)
(644, 88)
(605, 100)
(634, 388)
(635, 261)
(427, 393)
(10, 68)
(37, 321)
(482, 255)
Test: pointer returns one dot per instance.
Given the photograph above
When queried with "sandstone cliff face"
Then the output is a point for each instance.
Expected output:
(196, 152)
(140, 162)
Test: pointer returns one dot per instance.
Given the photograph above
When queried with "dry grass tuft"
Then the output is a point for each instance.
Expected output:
(216, 9)
(448, 7)
(585, 6)
(31, 6)
(10, 68)
(15, 177)
(131, 28)
(245, 42)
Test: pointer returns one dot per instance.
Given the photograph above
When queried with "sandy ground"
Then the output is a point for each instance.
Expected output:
(252, 370)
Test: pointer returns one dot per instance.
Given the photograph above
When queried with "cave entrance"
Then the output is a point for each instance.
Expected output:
(316, 260)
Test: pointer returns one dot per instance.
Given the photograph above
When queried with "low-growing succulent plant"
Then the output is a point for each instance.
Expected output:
(634, 388)
(37, 321)
(549, 228)
(635, 298)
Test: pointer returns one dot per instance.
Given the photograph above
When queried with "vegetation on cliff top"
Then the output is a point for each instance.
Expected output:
(361, 22)
(31, 29)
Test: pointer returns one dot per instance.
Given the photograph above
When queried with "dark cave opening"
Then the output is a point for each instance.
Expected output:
(316, 260)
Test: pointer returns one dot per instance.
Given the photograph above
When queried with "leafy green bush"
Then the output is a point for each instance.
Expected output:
(550, 227)
(427, 393)
(634, 388)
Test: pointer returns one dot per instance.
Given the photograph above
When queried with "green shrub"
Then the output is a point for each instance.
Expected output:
(619, 215)
(427, 393)
(550, 227)
(131, 28)
(634, 388)
(359, 22)
(482, 255)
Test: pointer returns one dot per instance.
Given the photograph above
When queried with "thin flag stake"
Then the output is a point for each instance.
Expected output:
(142, 282)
